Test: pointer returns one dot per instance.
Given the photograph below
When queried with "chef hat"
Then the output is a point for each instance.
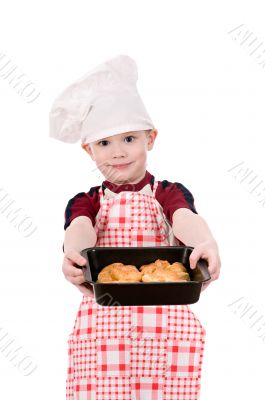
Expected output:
(102, 103)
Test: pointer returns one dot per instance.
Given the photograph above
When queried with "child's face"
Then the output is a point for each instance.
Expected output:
(122, 158)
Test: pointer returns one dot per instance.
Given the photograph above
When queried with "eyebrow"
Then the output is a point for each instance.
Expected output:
(123, 135)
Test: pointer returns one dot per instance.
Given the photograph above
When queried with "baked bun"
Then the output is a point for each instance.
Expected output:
(162, 271)
(118, 272)
(179, 267)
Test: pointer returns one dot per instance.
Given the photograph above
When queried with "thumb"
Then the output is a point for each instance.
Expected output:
(194, 257)
(76, 257)
(81, 260)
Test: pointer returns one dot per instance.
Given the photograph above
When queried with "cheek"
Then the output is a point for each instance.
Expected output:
(101, 157)
(137, 149)
(141, 152)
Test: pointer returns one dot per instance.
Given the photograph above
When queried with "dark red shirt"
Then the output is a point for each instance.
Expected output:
(170, 195)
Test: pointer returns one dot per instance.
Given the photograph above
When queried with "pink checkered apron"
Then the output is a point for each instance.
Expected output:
(134, 352)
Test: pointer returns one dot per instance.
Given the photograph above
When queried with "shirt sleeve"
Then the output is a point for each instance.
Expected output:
(173, 196)
(82, 204)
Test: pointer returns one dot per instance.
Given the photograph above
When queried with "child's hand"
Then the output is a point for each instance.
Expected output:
(208, 251)
(74, 274)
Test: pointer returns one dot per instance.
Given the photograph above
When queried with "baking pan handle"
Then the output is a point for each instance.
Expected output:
(203, 267)
(88, 282)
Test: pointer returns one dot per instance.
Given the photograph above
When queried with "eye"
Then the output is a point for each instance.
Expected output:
(129, 139)
(103, 143)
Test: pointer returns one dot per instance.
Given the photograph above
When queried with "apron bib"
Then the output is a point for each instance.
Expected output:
(134, 352)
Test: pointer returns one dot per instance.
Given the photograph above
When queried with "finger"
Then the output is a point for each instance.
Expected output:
(194, 257)
(213, 277)
(213, 266)
(205, 285)
(74, 271)
(74, 256)
(72, 267)
(70, 270)
(86, 291)
(76, 280)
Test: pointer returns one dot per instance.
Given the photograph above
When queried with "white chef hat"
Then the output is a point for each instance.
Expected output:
(102, 103)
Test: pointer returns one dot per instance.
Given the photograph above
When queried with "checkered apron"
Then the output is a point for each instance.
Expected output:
(134, 352)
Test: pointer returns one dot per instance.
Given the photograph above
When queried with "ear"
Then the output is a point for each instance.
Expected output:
(88, 149)
(151, 138)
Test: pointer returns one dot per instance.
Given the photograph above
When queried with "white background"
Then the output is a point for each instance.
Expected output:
(205, 93)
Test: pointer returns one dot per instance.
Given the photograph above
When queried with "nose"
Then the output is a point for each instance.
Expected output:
(118, 151)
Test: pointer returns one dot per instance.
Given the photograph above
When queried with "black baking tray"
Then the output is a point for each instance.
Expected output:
(143, 293)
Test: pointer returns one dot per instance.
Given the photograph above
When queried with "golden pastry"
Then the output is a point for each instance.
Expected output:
(118, 272)
(162, 271)
(158, 271)
(179, 266)
(152, 266)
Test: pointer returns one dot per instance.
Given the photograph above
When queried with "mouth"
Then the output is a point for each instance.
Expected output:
(121, 166)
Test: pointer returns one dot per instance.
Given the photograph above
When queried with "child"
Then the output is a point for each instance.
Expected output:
(127, 352)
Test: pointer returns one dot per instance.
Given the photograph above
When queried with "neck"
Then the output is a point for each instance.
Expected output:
(131, 182)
